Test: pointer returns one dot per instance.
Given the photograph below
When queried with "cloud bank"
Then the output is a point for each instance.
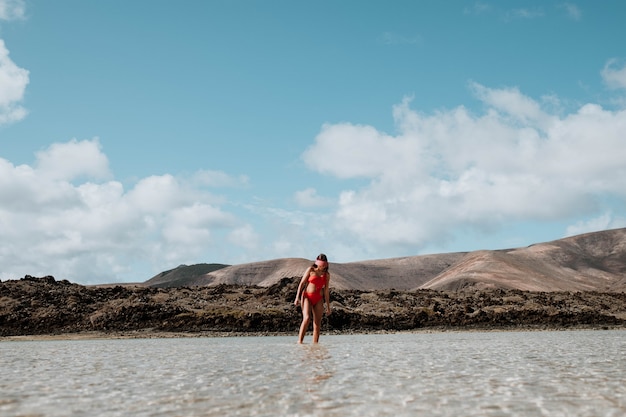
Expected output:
(614, 75)
(456, 170)
(12, 9)
(13, 82)
(64, 216)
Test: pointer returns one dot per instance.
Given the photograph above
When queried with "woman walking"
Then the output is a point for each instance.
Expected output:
(313, 292)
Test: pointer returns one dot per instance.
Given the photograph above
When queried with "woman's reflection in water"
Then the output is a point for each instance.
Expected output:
(317, 367)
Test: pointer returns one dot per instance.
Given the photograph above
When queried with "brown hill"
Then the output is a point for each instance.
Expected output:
(399, 273)
(589, 262)
(182, 276)
(262, 274)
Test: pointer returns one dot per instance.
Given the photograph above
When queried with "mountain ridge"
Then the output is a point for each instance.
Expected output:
(588, 262)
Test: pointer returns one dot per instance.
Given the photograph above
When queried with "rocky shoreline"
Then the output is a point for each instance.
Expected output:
(46, 307)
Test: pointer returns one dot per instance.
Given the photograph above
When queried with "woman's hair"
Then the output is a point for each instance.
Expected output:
(321, 257)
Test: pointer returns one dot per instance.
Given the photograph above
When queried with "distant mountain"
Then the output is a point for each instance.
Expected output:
(588, 262)
(182, 276)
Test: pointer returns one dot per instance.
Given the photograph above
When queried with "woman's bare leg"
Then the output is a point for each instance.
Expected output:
(318, 312)
(306, 316)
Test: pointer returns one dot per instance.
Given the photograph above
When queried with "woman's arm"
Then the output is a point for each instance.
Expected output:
(302, 281)
(327, 293)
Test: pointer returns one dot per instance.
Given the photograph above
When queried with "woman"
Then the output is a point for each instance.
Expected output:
(313, 292)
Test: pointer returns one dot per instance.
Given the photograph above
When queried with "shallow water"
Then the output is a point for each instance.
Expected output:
(567, 373)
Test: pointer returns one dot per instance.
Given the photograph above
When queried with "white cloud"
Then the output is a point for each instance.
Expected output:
(614, 74)
(157, 193)
(210, 178)
(310, 198)
(572, 11)
(371, 153)
(245, 236)
(64, 216)
(525, 13)
(22, 188)
(192, 224)
(603, 222)
(13, 82)
(454, 170)
(477, 8)
(12, 9)
(513, 103)
(73, 160)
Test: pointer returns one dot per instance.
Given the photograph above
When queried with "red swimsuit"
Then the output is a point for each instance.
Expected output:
(319, 281)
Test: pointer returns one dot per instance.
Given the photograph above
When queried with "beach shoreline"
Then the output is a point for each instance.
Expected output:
(158, 334)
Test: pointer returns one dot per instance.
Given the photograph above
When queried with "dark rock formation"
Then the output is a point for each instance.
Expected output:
(41, 306)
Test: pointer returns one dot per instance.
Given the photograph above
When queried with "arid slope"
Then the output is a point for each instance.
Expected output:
(589, 262)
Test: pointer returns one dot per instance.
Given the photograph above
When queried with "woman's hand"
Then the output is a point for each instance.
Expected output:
(297, 301)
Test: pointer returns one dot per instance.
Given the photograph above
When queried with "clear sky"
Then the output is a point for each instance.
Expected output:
(139, 135)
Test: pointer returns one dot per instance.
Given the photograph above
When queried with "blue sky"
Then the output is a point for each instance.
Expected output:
(138, 136)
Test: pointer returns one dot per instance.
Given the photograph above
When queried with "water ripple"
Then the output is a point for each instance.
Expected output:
(569, 373)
